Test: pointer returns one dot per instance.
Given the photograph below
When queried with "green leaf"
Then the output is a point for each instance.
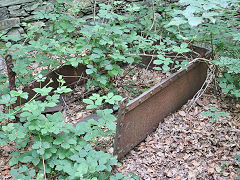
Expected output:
(82, 169)
(111, 125)
(82, 153)
(26, 159)
(14, 172)
(89, 71)
(35, 161)
(41, 151)
(129, 60)
(117, 98)
(32, 173)
(195, 21)
(88, 101)
(91, 106)
(43, 91)
(109, 67)
(13, 161)
(176, 21)
(36, 145)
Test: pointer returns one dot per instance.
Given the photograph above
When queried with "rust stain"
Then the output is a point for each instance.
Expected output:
(142, 115)
(70, 74)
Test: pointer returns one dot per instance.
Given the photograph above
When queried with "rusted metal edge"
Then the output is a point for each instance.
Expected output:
(125, 126)
(156, 88)
(11, 73)
(70, 74)
(126, 129)
(121, 114)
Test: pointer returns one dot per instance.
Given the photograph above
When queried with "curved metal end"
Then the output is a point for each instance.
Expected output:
(124, 102)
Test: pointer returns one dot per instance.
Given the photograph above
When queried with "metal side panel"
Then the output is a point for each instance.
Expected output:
(142, 115)
(70, 74)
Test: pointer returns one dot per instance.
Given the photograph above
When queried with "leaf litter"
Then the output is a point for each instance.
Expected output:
(188, 145)
(134, 81)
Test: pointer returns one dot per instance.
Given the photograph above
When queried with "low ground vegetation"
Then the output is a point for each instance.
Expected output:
(44, 146)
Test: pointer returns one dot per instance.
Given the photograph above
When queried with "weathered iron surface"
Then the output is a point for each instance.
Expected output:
(11, 73)
(142, 115)
(70, 74)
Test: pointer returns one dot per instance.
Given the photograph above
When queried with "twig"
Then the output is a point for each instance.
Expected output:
(65, 103)
(152, 55)
(154, 17)
(210, 77)
(149, 63)
(128, 71)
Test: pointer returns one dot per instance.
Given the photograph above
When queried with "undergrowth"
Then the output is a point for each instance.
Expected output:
(47, 146)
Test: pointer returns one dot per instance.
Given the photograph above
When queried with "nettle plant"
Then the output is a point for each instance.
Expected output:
(48, 147)
(215, 24)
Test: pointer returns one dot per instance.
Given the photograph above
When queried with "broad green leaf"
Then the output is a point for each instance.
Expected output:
(176, 21)
(88, 101)
(195, 21)
(13, 161)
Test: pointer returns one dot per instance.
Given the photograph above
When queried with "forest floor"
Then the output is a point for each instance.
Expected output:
(188, 145)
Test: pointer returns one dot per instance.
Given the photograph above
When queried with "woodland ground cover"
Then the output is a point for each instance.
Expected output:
(117, 33)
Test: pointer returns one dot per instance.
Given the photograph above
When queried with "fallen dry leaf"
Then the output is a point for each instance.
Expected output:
(169, 174)
(5, 172)
(211, 170)
(193, 146)
(182, 113)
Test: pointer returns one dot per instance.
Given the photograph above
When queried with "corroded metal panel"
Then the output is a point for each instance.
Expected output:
(142, 115)
(70, 74)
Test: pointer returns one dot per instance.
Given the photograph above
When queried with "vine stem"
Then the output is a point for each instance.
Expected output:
(154, 17)
(44, 168)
